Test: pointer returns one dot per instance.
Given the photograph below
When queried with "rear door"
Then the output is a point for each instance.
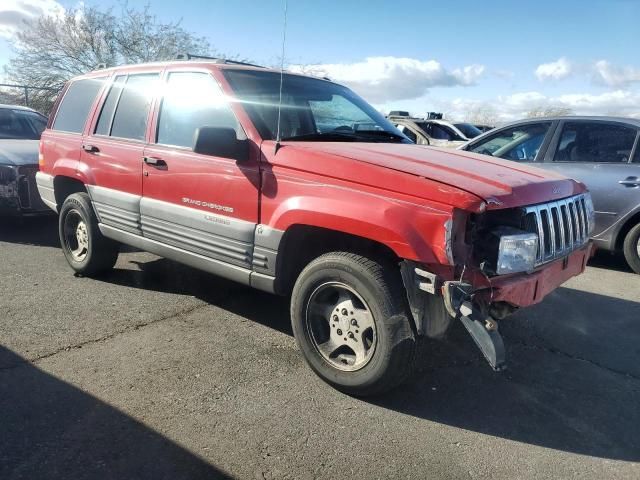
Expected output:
(200, 203)
(599, 154)
(61, 142)
(112, 151)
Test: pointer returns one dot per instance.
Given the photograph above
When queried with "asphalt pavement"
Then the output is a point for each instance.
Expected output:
(161, 371)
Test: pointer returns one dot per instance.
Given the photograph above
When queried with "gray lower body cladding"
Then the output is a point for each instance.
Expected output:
(216, 236)
(232, 248)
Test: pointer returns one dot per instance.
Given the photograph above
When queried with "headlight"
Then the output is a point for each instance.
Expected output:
(517, 253)
(591, 213)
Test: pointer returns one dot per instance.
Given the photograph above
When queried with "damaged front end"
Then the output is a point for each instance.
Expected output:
(502, 260)
(18, 191)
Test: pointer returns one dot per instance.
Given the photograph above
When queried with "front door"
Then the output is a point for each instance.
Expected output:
(521, 143)
(198, 203)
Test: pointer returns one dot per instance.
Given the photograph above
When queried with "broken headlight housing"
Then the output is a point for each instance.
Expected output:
(8, 174)
(505, 250)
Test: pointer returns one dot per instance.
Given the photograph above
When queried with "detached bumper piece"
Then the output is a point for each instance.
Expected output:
(484, 331)
(482, 328)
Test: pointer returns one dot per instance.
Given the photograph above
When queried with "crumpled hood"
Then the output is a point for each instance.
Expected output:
(501, 183)
(18, 152)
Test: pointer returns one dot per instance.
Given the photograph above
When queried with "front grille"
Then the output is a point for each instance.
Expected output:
(561, 226)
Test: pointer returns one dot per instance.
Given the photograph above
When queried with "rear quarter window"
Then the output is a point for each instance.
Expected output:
(76, 104)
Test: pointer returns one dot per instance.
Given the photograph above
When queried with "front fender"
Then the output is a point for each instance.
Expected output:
(415, 232)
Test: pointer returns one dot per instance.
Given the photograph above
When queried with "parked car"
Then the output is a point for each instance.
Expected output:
(437, 133)
(469, 130)
(377, 241)
(602, 152)
(20, 129)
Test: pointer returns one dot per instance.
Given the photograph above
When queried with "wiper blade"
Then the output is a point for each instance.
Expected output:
(336, 136)
(379, 134)
(342, 136)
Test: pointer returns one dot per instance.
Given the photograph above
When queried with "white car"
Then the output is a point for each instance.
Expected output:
(437, 133)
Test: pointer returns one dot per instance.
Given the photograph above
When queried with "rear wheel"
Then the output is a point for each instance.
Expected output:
(85, 248)
(631, 248)
(350, 319)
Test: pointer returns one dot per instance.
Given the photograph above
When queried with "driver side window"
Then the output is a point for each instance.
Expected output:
(520, 143)
(192, 100)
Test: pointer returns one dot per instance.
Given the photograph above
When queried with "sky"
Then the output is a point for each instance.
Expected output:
(464, 58)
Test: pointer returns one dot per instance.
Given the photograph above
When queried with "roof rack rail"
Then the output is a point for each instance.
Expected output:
(191, 56)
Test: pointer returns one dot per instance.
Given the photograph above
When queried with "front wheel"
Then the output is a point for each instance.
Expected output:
(350, 320)
(86, 249)
(631, 248)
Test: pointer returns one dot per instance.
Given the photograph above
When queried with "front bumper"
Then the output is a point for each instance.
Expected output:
(19, 194)
(522, 290)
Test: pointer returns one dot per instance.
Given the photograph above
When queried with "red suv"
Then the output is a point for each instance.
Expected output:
(295, 185)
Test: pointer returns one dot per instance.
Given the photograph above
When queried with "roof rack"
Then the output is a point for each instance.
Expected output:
(191, 56)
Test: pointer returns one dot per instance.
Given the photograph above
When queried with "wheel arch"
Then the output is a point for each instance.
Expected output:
(302, 243)
(63, 186)
(624, 230)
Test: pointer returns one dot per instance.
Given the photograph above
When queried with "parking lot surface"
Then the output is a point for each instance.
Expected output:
(160, 371)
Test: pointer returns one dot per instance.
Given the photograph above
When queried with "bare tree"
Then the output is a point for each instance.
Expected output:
(549, 111)
(53, 48)
(483, 115)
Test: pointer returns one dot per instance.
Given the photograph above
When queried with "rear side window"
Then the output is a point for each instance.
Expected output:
(126, 110)
(76, 103)
(109, 107)
(595, 143)
(192, 100)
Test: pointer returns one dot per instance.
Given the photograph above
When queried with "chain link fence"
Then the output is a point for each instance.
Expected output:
(38, 98)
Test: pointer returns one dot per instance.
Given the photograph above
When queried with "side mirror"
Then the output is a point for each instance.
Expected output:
(220, 142)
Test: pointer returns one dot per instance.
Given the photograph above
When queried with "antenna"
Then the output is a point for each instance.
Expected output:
(284, 39)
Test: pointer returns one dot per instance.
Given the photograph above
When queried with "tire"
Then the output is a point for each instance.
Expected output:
(379, 349)
(631, 248)
(88, 252)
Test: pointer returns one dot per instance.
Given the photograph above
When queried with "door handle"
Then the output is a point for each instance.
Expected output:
(90, 148)
(630, 182)
(156, 162)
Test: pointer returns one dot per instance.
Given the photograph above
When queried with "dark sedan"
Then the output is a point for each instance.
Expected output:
(602, 152)
(20, 130)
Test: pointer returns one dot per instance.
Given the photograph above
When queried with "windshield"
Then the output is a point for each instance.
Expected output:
(312, 109)
(21, 124)
(469, 131)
